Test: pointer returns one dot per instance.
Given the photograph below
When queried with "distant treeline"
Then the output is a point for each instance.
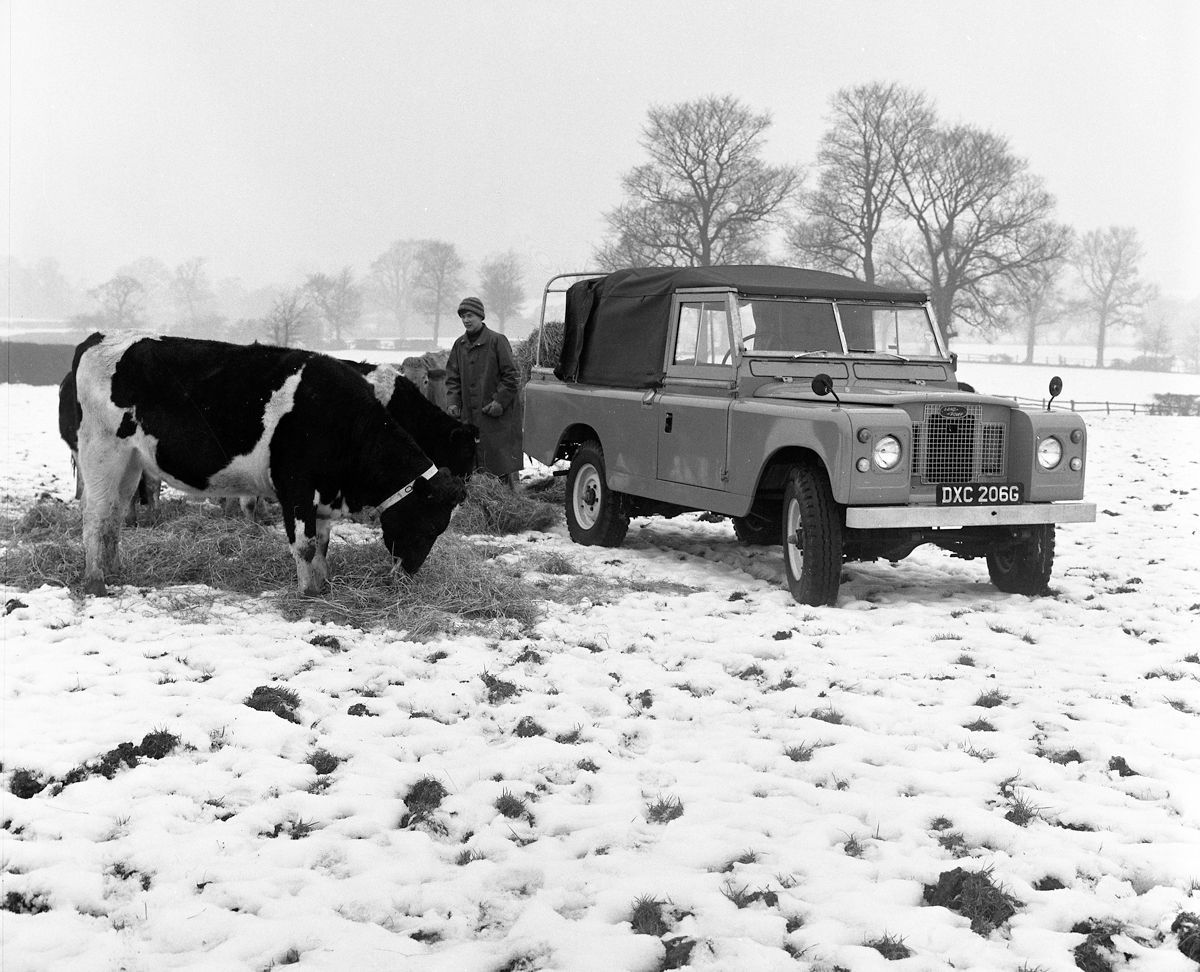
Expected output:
(27, 363)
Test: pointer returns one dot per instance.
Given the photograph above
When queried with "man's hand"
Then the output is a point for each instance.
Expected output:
(493, 410)
(454, 411)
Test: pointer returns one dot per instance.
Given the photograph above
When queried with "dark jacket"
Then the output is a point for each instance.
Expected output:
(479, 371)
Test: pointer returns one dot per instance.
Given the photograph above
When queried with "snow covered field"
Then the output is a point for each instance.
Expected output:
(722, 778)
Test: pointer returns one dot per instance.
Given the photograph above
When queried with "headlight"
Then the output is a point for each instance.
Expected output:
(1049, 452)
(887, 452)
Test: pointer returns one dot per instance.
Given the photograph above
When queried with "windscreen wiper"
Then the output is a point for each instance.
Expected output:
(886, 354)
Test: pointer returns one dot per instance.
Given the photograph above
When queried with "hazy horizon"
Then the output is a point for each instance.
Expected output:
(280, 139)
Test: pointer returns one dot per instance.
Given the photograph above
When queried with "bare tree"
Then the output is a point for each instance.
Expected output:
(390, 282)
(705, 197)
(1107, 262)
(437, 280)
(873, 129)
(501, 288)
(193, 296)
(1156, 342)
(977, 215)
(121, 300)
(1034, 298)
(155, 279)
(289, 318)
(337, 300)
(1188, 341)
(37, 291)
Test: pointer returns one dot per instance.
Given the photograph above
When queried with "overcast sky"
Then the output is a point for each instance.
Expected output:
(280, 138)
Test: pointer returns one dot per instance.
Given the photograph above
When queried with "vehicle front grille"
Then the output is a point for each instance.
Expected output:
(952, 444)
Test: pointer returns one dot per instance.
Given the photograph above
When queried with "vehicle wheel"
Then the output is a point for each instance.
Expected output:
(812, 537)
(1023, 566)
(596, 515)
(757, 528)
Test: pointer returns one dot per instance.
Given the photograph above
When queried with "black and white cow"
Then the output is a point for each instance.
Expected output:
(446, 440)
(220, 419)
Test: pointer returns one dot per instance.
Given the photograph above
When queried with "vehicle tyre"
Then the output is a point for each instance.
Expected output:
(596, 516)
(812, 537)
(1024, 566)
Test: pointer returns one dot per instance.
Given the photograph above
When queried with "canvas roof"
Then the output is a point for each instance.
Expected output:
(615, 330)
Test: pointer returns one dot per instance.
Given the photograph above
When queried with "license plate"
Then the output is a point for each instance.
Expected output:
(979, 494)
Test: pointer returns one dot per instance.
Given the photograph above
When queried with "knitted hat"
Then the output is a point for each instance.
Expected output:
(473, 304)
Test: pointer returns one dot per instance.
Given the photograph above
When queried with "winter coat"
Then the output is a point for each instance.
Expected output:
(482, 370)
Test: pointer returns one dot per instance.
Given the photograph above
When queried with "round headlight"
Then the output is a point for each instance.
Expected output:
(1050, 452)
(887, 452)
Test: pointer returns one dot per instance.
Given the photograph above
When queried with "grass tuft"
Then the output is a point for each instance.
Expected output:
(891, 947)
(800, 753)
(1186, 927)
(510, 805)
(529, 726)
(991, 699)
(664, 810)
(278, 701)
(1022, 812)
(323, 761)
(973, 895)
(647, 917)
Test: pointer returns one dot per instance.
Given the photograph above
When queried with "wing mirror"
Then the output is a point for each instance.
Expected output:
(822, 385)
(1055, 390)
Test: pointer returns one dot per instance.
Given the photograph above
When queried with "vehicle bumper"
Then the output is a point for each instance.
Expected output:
(888, 517)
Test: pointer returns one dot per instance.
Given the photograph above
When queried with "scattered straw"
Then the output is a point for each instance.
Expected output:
(196, 544)
(492, 508)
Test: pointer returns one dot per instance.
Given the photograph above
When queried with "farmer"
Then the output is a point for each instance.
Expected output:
(482, 383)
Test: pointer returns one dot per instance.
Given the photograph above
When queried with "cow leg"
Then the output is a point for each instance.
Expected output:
(150, 491)
(304, 552)
(109, 474)
(320, 563)
(78, 477)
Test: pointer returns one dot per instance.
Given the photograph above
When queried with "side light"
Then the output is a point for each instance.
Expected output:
(1076, 464)
(863, 464)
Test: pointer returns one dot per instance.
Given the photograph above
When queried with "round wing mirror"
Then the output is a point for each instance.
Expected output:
(1055, 386)
(822, 384)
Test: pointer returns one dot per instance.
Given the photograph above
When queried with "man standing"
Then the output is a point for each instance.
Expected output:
(482, 383)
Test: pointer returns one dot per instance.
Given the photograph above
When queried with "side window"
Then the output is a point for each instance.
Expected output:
(702, 337)
(686, 335)
(713, 346)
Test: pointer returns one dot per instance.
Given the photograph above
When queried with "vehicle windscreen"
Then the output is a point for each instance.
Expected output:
(781, 326)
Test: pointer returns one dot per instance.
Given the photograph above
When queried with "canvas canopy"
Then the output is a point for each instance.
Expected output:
(615, 331)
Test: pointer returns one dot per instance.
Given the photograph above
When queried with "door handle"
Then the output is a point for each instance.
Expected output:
(668, 422)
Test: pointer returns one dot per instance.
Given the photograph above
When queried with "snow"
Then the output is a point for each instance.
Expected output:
(693, 686)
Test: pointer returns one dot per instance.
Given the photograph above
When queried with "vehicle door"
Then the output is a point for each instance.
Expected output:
(697, 391)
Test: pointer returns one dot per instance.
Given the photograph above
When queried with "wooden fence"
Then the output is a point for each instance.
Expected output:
(1163, 404)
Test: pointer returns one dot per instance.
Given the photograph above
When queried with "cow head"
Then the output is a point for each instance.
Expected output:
(412, 526)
